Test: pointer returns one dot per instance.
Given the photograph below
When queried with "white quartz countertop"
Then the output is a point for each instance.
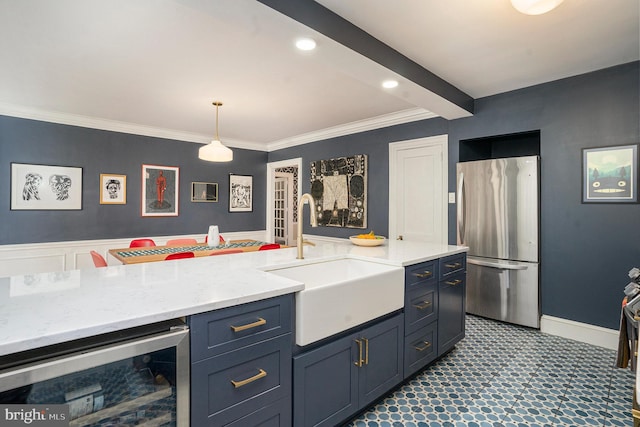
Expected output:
(49, 308)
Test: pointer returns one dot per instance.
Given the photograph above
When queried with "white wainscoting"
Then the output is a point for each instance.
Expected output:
(34, 258)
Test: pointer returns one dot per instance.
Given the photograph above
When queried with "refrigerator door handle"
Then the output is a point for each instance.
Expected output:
(461, 209)
(499, 265)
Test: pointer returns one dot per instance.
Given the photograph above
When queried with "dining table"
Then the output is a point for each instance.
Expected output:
(159, 253)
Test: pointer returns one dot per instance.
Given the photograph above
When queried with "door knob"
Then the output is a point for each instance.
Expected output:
(399, 237)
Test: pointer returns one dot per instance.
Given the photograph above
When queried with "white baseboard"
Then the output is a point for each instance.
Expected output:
(583, 332)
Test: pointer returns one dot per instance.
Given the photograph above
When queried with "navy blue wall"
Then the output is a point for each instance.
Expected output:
(586, 249)
(29, 141)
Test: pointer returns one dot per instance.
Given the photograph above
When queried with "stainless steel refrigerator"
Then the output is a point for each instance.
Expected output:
(498, 214)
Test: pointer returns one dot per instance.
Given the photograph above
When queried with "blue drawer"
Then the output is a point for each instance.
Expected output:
(421, 307)
(234, 384)
(420, 349)
(224, 330)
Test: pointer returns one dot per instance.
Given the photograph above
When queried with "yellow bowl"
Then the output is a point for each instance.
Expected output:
(379, 240)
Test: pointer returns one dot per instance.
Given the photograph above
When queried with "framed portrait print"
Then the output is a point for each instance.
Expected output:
(159, 194)
(44, 187)
(113, 189)
(610, 174)
(204, 192)
(240, 193)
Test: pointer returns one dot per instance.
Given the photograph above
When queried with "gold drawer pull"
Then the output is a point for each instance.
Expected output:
(259, 322)
(454, 265)
(366, 351)
(426, 345)
(454, 282)
(426, 273)
(261, 374)
(422, 306)
(359, 362)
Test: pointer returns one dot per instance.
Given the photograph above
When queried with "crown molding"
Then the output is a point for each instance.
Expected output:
(386, 120)
(397, 118)
(116, 126)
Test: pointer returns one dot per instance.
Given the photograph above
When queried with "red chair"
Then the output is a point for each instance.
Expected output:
(269, 246)
(181, 242)
(139, 243)
(226, 251)
(206, 239)
(98, 260)
(180, 255)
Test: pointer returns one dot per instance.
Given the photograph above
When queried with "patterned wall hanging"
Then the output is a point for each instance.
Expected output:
(339, 188)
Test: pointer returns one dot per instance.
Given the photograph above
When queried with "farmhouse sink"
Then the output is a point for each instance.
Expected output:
(340, 294)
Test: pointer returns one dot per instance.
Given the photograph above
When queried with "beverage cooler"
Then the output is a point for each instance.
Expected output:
(135, 377)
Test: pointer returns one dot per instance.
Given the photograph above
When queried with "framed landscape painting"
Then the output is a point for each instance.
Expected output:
(44, 187)
(610, 174)
(160, 186)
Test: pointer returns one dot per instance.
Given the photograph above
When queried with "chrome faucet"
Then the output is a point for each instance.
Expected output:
(306, 197)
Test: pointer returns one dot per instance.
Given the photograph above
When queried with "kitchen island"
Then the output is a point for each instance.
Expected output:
(45, 309)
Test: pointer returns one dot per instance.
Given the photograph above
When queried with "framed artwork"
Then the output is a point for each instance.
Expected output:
(610, 174)
(44, 187)
(339, 190)
(159, 194)
(113, 189)
(204, 192)
(240, 193)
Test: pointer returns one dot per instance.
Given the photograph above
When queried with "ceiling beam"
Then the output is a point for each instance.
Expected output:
(325, 21)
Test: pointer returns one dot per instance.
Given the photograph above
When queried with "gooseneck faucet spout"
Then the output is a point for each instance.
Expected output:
(306, 197)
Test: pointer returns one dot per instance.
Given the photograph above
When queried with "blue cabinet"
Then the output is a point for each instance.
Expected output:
(336, 380)
(241, 365)
(451, 301)
(434, 310)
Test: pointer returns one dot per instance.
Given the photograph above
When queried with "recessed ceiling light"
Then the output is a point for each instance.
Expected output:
(305, 44)
(389, 84)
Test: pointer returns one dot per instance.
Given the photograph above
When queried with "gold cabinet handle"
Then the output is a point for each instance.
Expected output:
(454, 265)
(426, 345)
(425, 304)
(453, 282)
(366, 351)
(261, 374)
(426, 273)
(358, 363)
(257, 323)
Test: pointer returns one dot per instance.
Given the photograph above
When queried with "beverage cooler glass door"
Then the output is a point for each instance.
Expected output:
(142, 381)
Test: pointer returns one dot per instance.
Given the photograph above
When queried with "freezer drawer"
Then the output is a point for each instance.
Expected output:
(504, 290)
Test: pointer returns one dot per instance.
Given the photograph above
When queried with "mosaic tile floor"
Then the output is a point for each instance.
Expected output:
(503, 375)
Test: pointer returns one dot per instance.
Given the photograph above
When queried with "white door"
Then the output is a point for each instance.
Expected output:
(282, 212)
(418, 189)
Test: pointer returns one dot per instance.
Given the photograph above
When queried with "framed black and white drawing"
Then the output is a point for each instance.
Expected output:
(240, 193)
(44, 187)
(160, 186)
(113, 189)
(204, 192)
(339, 190)
(610, 174)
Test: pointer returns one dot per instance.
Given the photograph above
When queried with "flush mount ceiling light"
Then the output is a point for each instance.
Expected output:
(215, 151)
(305, 44)
(389, 84)
(535, 7)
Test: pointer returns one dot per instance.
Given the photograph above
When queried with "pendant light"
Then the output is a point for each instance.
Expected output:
(535, 7)
(215, 151)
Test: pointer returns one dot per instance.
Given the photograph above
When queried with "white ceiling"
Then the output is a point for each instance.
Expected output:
(153, 67)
